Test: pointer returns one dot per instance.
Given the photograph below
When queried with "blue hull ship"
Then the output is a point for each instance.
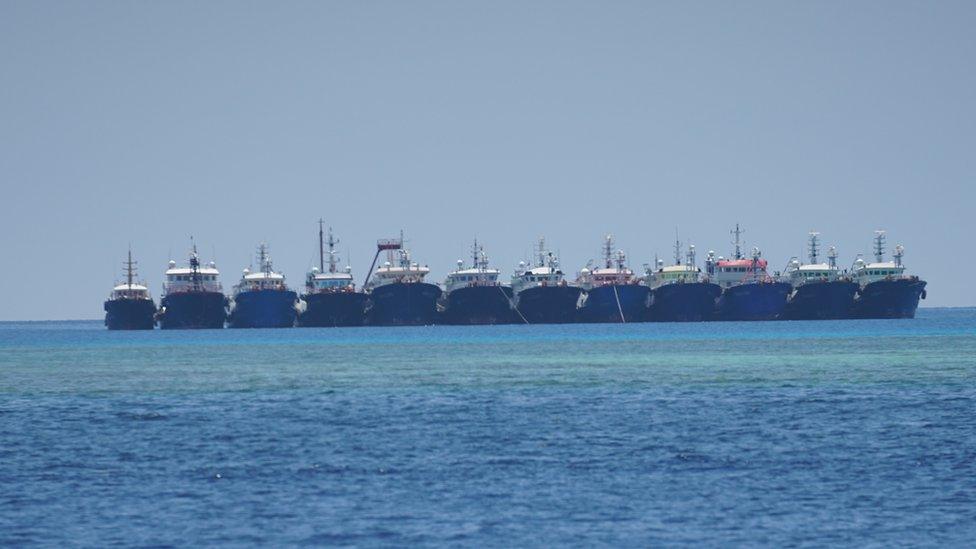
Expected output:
(752, 301)
(542, 295)
(748, 292)
(829, 300)
(889, 299)
(820, 290)
(263, 309)
(479, 305)
(687, 302)
(885, 290)
(330, 298)
(262, 299)
(403, 304)
(680, 292)
(130, 314)
(549, 304)
(475, 296)
(334, 309)
(194, 298)
(615, 303)
(398, 295)
(613, 293)
(129, 306)
(192, 310)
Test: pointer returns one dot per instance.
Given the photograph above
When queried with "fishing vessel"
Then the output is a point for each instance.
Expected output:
(541, 294)
(820, 290)
(474, 295)
(398, 294)
(262, 299)
(748, 292)
(612, 293)
(129, 306)
(885, 290)
(192, 296)
(680, 292)
(330, 297)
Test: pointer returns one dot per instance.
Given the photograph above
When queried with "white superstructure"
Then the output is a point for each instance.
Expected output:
(130, 289)
(398, 267)
(798, 274)
(880, 269)
(739, 269)
(479, 274)
(194, 278)
(264, 279)
(613, 272)
(322, 280)
(679, 273)
(546, 271)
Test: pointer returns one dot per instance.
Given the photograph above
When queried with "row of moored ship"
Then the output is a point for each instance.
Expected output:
(396, 294)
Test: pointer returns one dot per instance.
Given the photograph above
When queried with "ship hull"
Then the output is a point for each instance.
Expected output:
(549, 304)
(608, 303)
(889, 299)
(479, 305)
(753, 301)
(264, 309)
(130, 314)
(688, 302)
(403, 304)
(334, 309)
(192, 310)
(821, 301)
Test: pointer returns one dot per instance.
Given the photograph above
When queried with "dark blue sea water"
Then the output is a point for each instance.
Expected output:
(780, 433)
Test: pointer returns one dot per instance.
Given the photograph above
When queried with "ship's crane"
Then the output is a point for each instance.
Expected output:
(387, 244)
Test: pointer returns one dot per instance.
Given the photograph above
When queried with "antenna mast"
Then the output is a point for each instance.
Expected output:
(321, 253)
(129, 269)
(677, 248)
(332, 255)
(608, 251)
(194, 265)
(813, 251)
(737, 242)
(879, 242)
(263, 258)
(542, 251)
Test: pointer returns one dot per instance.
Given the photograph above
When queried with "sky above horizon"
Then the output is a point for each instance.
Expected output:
(243, 122)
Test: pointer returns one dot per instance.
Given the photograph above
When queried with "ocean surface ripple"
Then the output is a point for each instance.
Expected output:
(780, 433)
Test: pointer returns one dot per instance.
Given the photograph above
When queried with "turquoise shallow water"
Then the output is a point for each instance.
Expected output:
(847, 432)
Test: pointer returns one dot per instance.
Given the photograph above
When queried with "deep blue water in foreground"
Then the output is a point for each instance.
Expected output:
(779, 433)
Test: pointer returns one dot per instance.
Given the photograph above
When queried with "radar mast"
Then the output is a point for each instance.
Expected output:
(321, 252)
(130, 270)
(813, 248)
(737, 242)
(879, 245)
(333, 260)
(264, 260)
(677, 248)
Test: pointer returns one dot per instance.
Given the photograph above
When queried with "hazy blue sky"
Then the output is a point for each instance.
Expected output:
(236, 122)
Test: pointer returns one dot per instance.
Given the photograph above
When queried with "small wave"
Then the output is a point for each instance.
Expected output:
(141, 416)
